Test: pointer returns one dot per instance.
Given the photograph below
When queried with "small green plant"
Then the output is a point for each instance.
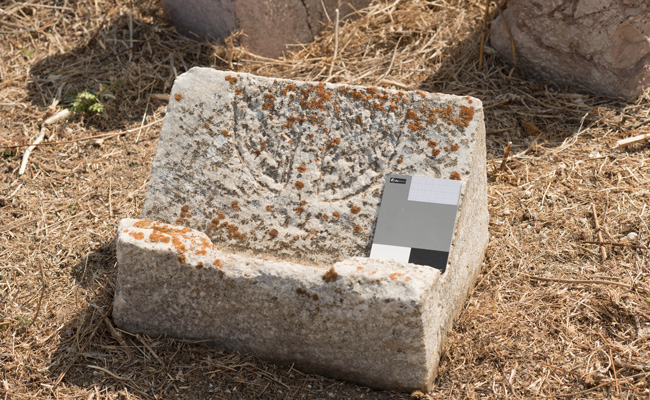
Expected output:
(72, 208)
(8, 154)
(86, 101)
(23, 320)
(28, 52)
(89, 101)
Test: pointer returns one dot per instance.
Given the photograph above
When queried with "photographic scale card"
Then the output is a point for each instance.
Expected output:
(416, 220)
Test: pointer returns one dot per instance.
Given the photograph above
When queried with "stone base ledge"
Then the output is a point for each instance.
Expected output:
(374, 322)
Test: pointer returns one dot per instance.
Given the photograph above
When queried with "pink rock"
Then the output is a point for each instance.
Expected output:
(601, 46)
(268, 25)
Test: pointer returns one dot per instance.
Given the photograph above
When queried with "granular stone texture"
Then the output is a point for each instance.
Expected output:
(268, 25)
(600, 46)
(362, 320)
(284, 180)
(295, 170)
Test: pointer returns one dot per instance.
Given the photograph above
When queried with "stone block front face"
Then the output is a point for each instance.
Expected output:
(268, 25)
(600, 46)
(284, 180)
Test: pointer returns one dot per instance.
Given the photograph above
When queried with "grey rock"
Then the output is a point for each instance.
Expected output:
(600, 46)
(284, 180)
(268, 25)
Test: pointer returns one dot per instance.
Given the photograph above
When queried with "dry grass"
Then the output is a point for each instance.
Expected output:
(552, 315)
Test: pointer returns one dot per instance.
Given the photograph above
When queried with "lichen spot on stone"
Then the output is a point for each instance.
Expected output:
(359, 268)
(455, 147)
(299, 185)
(224, 132)
(330, 276)
(355, 209)
(302, 169)
(357, 228)
(181, 258)
(455, 176)
(137, 235)
(273, 233)
(144, 224)
(400, 160)
(395, 275)
(217, 263)
(235, 205)
(178, 97)
(199, 265)
(336, 214)
(231, 79)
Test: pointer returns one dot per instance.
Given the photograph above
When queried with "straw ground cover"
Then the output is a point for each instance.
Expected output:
(553, 314)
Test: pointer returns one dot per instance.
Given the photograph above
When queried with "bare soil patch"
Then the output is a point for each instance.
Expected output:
(553, 314)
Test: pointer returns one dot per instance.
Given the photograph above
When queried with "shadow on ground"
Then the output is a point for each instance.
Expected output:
(122, 67)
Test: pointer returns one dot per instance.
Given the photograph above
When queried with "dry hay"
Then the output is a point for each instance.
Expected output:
(552, 315)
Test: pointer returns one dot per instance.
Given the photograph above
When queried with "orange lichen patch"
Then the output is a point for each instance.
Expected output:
(235, 205)
(268, 104)
(336, 214)
(359, 268)
(302, 168)
(421, 93)
(359, 119)
(400, 160)
(407, 279)
(199, 265)
(233, 232)
(157, 237)
(303, 202)
(299, 185)
(325, 217)
(446, 148)
(435, 152)
(333, 142)
(432, 143)
(181, 258)
(217, 263)
(224, 132)
(185, 212)
(286, 244)
(179, 221)
(269, 208)
(455, 176)
(454, 147)
(231, 79)
(330, 276)
(178, 97)
(357, 228)
(273, 233)
(395, 275)
(466, 116)
(299, 210)
(355, 209)
(221, 215)
(144, 224)
(238, 91)
(137, 235)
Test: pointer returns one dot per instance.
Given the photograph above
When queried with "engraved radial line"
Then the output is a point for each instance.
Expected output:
(239, 151)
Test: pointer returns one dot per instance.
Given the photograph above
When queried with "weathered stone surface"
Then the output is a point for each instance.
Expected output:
(268, 25)
(361, 320)
(285, 178)
(601, 46)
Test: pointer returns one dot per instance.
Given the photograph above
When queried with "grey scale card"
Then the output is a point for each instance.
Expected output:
(416, 220)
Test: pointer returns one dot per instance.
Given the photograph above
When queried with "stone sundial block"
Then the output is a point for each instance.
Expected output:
(259, 218)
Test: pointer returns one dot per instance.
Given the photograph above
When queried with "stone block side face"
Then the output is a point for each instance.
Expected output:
(295, 170)
(447, 298)
(360, 320)
(268, 25)
(601, 46)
